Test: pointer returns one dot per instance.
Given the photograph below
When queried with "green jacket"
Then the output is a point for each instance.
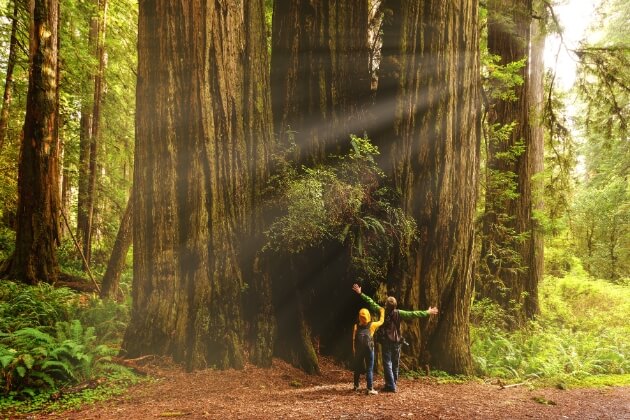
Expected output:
(404, 315)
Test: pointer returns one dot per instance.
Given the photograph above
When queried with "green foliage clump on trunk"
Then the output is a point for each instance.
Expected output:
(343, 200)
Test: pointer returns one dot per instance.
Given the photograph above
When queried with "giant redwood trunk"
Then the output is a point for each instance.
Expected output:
(320, 78)
(37, 232)
(320, 73)
(429, 79)
(193, 179)
(511, 281)
(258, 128)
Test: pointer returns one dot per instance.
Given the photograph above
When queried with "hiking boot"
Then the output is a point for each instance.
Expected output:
(388, 389)
(372, 392)
(355, 388)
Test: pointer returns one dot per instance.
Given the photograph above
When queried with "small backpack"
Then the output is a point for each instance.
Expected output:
(389, 332)
(363, 339)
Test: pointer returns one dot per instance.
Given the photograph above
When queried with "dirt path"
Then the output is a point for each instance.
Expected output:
(284, 392)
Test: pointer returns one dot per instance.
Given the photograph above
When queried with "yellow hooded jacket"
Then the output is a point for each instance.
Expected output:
(364, 319)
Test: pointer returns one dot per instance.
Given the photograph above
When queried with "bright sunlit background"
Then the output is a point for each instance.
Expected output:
(574, 17)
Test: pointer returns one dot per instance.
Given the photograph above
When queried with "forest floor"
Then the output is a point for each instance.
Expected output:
(286, 392)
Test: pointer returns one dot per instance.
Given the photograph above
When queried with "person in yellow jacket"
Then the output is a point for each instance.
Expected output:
(363, 347)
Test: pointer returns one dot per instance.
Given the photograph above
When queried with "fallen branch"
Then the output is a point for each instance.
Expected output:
(129, 363)
(501, 386)
(141, 358)
(91, 384)
(76, 244)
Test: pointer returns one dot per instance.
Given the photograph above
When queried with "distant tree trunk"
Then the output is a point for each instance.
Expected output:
(613, 241)
(320, 73)
(85, 131)
(84, 212)
(192, 179)
(428, 91)
(8, 81)
(95, 115)
(537, 157)
(64, 184)
(65, 198)
(116, 264)
(99, 83)
(37, 233)
(509, 279)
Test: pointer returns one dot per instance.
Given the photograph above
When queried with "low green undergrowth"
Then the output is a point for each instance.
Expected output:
(23, 306)
(52, 339)
(116, 382)
(34, 361)
(581, 335)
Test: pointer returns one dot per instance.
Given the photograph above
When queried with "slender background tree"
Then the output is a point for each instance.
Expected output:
(510, 259)
(37, 228)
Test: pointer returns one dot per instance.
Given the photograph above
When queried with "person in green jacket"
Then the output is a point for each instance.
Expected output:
(393, 339)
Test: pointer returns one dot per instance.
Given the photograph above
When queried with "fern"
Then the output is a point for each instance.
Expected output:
(582, 331)
(33, 359)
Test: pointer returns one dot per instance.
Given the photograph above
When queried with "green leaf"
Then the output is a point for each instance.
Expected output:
(21, 371)
(57, 366)
(45, 377)
(30, 392)
(35, 334)
(6, 359)
(344, 233)
(28, 360)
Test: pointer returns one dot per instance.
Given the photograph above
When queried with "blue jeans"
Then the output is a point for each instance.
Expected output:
(391, 358)
(364, 360)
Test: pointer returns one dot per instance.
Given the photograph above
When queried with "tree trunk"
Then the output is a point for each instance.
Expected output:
(8, 81)
(320, 86)
(37, 233)
(95, 116)
(537, 156)
(192, 179)
(428, 92)
(258, 137)
(99, 83)
(111, 278)
(65, 199)
(509, 281)
(64, 181)
(84, 208)
(321, 74)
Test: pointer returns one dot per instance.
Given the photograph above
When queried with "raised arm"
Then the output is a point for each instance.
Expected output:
(381, 319)
(406, 315)
(373, 306)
